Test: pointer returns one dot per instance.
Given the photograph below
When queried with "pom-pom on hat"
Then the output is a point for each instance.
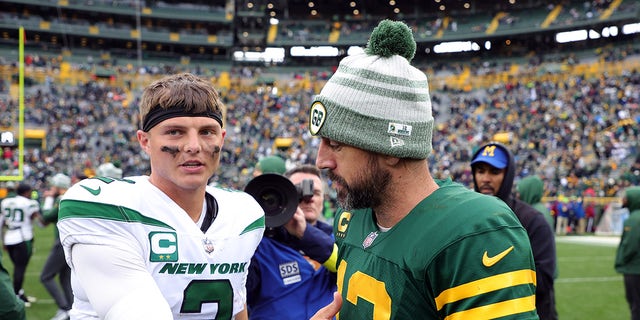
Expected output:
(377, 100)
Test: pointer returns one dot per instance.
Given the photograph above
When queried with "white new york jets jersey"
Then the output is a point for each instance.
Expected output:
(17, 212)
(184, 261)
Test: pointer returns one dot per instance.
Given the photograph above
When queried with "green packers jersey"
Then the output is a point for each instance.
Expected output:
(457, 255)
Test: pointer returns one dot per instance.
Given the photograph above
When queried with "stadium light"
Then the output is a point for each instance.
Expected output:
(456, 46)
(355, 50)
(631, 28)
(571, 36)
(269, 55)
(322, 51)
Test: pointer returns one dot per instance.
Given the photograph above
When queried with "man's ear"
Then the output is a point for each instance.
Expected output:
(143, 139)
(390, 160)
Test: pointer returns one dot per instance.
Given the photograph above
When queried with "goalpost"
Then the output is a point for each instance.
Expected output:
(20, 175)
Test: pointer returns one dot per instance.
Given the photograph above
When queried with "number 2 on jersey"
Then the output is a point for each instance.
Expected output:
(207, 291)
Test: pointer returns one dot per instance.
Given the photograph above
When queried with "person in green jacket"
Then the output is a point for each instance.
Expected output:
(11, 307)
(530, 190)
(628, 254)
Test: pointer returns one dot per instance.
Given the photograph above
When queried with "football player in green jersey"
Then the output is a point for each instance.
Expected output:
(409, 246)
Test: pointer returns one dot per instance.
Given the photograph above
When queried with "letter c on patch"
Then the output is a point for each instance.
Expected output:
(163, 243)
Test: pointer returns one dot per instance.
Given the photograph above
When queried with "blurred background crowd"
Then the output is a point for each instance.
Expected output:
(569, 116)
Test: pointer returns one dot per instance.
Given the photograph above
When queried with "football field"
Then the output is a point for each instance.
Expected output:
(587, 288)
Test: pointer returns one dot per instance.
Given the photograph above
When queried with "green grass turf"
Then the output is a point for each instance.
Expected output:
(44, 308)
(587, 288)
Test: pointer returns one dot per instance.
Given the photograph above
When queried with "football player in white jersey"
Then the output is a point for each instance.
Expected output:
(20, 212)
(163, 246)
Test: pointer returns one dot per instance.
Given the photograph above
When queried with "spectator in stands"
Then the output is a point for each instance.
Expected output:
(20, 213)
(293, 267)
(56, 265)
(494, 169)
(627, 258)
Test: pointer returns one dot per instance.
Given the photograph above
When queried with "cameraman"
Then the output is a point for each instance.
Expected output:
(292, 274)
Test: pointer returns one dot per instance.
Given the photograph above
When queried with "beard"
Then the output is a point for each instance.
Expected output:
(366, 191)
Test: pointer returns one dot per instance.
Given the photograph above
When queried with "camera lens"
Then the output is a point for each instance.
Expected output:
(276, 195)
(271, 201)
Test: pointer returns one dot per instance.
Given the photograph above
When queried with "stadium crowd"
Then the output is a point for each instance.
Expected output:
(576, 134)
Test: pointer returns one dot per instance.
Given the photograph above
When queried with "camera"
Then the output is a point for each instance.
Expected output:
(305, 190)
(278, 197)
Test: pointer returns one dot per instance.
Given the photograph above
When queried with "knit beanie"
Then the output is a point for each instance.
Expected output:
(376, 100)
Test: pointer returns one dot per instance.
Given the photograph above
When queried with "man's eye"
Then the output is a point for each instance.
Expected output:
(334, 144)
(173, 132)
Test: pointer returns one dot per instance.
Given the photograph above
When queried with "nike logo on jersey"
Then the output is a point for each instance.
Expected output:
(94, 192)
(490, 261)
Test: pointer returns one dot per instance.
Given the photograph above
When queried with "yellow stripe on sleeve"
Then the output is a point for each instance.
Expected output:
(330, 264)
(497, 310)
(478, 287)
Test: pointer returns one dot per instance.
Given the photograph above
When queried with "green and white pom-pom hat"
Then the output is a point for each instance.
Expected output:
(377, 100)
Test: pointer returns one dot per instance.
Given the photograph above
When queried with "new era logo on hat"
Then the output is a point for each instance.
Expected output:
(493, 155)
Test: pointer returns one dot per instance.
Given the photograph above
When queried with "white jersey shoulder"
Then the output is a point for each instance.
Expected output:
(133, 214)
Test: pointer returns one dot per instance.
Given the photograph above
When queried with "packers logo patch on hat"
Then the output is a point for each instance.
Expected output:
(317, 116)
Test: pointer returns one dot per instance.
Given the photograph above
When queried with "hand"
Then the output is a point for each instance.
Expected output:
(297, 224)
(329, 311)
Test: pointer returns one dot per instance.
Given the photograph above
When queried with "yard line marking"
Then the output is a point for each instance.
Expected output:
(592, 240)
(587, 259)
(589, 279)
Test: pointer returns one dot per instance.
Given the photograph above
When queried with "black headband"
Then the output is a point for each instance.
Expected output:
(158, 114)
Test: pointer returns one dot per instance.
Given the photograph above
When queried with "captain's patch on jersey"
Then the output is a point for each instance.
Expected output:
(164, 247)
(290, 272)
